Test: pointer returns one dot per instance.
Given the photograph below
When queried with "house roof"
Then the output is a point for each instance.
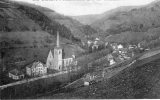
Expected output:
(34, 64)
(16, 72)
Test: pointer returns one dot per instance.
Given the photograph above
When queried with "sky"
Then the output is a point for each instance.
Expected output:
(85, 7)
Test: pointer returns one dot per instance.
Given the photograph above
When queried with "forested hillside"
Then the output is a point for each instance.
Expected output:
(129, 24)
(26, 32)
(77, 29)
(132, 24)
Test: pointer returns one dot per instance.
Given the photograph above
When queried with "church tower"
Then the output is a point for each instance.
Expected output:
(58, 55)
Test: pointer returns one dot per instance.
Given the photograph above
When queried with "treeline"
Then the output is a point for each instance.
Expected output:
(88, 30)
(4, 24)
(134, 27)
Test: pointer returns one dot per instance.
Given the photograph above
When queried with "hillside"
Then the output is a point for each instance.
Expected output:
(18, 17)
(127, 24)
(26, 32)
(87, 19)
(130, 19)
(91, 19)
(134, 23)
(139, 82)
(77, 29)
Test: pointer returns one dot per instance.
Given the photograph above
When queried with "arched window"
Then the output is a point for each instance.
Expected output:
(50, 63)
(60, 66)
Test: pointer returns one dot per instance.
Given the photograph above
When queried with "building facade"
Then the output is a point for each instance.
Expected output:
(15, 74)
(36, 69)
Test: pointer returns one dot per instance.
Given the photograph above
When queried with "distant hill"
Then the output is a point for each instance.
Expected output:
(137, 19)
(93, 18)
(87, 19)
(135, 23)
(129, 24)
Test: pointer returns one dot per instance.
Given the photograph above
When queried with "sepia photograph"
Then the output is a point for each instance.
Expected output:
(79, 49)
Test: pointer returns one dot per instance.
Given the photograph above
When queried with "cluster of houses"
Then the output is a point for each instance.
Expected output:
(95, 44)
(56, 62)
(37, 68)
(121, 53)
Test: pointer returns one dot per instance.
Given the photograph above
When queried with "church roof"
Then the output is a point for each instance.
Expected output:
(34, 64)
(66, 52)
(58, 47)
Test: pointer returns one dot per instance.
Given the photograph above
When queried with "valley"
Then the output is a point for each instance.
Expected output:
(107, 45)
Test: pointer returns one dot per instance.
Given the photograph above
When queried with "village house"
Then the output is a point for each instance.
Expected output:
(95, 47)
(123, 51)
(125, 56)
(120, 46)
(111, 59)
(132, 47)
(121, 57)
(96, 40)
(111, 62)
(115, 46)
(97, 44)
(106, 44)
(89, 42)
(16, 74)
(36, 68)
(142, 45)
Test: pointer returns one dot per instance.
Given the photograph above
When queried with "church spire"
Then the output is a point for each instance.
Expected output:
(57, 39)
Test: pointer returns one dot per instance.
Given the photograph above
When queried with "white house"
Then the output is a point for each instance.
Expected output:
(95, 47)
(15, 74)
(89, 43)
(111, 62)
(106, 44)
(36, 68)
(120, 46)
(97, 39)
(109, 56)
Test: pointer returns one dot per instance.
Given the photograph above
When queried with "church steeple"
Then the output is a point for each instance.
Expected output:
(58, 55)
(57, 39)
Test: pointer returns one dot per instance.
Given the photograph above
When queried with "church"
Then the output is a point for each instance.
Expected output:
(56, 61)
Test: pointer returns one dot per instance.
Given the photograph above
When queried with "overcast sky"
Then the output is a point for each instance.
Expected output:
(84, 7)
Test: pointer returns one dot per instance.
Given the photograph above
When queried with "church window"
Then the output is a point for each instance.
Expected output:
(59, 66)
